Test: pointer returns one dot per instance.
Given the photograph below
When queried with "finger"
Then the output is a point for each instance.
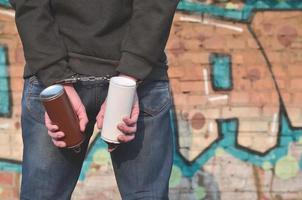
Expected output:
(51, 127)
(49, 124)
(128, 130)
(56, 135)
(82, 118)
(100, 116)
(135, 111)
(131, 121)
(99, 120)
(125, 138)
(60, 144)
(112, 147)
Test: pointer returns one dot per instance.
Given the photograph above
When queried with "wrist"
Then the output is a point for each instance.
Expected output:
(131, 77)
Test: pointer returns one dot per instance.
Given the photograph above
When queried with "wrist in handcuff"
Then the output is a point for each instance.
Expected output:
(80, 78)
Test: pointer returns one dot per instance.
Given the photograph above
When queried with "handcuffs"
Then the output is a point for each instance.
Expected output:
(77, 78)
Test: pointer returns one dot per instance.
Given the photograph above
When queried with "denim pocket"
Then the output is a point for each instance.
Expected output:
(32, 89)
(154, 97)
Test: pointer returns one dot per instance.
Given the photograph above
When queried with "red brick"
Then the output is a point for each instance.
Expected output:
(269, 111)
(7, 18)
(16, 84)
(192, 86)
(175, 86)
(274, 56)
(239, 72)
(196, 100)
(199, 57)
(175, 72)
(252, 57)
(260, 98)
(6, 178)
(173, 60)
(280, 71)
(16, 109)
(296, 84)
(237, 58)
(295, 70)
(286, 97)
(16, 71)
(263, 84)
(242, 84)
(192, 73)
(239, 97)
(10, 28)
(282, 84)
(7, 193)
(193, 45)
(16, 97)
(297, 98)
(215, 43)
(241, 112)
(251, 43)
(20, 55)
(179, 99)
(236, 43)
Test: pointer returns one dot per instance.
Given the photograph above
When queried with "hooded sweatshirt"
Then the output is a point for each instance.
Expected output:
(61, 38)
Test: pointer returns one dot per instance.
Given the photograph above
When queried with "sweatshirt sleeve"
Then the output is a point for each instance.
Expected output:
(44, 50)
(146, 36)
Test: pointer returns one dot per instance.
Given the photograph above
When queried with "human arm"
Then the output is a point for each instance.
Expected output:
(145, 40)
(44, 49)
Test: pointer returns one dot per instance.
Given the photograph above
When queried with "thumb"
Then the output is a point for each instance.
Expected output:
(83, 119)
(100, 116)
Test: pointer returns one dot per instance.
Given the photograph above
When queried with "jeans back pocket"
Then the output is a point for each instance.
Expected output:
(32, 90)
(154, 97)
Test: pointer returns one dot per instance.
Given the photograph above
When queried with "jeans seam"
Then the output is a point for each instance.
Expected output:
(32, 114)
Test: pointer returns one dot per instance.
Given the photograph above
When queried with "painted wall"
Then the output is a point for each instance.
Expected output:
(236, 79)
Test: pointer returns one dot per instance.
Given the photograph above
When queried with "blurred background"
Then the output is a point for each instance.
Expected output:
(235, 70)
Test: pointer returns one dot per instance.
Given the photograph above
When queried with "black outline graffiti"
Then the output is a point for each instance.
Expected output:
(282, 108)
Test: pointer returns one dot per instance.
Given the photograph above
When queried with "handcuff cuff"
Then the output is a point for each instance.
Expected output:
(79, 78)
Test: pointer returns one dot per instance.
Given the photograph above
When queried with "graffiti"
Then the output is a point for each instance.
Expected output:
(238, 11)
(237, 96)
(253, 125)
(4, 85)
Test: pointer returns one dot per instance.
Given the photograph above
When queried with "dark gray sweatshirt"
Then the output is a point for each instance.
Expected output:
(94, 37)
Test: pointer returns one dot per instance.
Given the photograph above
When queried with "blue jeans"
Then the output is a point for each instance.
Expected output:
(142, 167)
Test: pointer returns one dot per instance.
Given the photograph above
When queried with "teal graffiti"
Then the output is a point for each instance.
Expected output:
(10, 166)
(5, 3)
(4, 84)
(228, 130)
(221, 72)
(95, 146)
(242, 14)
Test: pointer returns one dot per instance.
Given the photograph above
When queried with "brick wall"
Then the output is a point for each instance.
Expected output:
(236, 115)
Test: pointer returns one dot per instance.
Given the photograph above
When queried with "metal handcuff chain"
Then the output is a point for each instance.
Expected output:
(78, 78)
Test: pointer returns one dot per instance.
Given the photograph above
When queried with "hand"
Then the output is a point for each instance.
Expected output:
(128, 126)
(124, 75)
(53, 130)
